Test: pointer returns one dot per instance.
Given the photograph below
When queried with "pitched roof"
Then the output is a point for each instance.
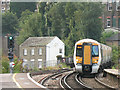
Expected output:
(115, 37)
(37, 41)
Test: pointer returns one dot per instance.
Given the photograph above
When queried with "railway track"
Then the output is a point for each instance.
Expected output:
(95, 83)
(70, 81)
(53, 77)
(67, 79)
(74, 81)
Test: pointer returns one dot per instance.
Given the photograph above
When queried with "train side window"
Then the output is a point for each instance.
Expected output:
(79, 50)
(101, 53)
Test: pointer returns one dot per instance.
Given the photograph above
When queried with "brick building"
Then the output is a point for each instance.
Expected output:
(111, 15)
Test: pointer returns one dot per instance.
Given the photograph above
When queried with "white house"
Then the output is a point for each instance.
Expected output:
(41, 51)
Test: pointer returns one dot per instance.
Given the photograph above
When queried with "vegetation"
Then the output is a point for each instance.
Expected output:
(57, 67)
(69, 21)
(106, 35)
(5, 65)
(18, 8)
(115, 49)
(115, 57)
(9, 23)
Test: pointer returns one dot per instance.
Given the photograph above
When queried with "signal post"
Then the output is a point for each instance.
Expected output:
(10, 52)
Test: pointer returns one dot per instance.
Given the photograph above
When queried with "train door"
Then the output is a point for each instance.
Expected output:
(87, 57)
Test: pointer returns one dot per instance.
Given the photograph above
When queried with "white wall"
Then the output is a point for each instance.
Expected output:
(52, 50)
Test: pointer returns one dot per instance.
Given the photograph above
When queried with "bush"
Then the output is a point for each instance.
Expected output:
(115, 57)
(106, 35)
(5, 65)
(59, 66)
(18, 66)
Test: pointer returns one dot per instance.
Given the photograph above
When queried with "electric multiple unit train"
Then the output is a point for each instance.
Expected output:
(91, 56)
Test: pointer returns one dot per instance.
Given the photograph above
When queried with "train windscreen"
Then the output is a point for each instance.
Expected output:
(95, 51)
(79, 50)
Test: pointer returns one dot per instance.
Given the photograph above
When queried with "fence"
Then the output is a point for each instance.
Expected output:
(40, 64)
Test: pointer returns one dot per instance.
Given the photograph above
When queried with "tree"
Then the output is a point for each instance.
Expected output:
(24, 18)
(32, 28)
(57, 20)
(9, 23)
(19, 7)
(89, 22)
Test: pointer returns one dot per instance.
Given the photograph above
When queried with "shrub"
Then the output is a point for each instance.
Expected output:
(115, 57)
(5, 65)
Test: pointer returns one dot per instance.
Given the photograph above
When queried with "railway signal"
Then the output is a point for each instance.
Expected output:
(10, 55)
(10, 52)
(10, 42)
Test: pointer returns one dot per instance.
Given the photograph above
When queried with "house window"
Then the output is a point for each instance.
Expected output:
(60, 50)
(3, 11)
(32, 51)
(39, 63)
(109, 6)
(3, 8)
(40, 51)
(108, 22)
(32, 63)
(8, 2)
(25, 52)
(3, 3)
(117, 5)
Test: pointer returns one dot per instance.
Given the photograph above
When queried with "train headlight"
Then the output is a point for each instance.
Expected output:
(76, 60)
(96, 61)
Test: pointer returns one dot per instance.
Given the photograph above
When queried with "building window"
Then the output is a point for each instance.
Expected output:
(108, 22)
(3, 8)
(8, 2)
(3, 3)
(3, 11)
(39, 63)
(32, 51)
(109, 6)
(40, 51)
(32, 63)
(25, 52)
(117, 5)
(60, 50)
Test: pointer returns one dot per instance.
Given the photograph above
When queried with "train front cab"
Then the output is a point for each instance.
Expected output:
(87, 57)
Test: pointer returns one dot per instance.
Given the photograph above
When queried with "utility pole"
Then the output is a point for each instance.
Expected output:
(10, 52)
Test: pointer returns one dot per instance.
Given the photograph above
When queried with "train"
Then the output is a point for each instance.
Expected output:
(91, 57)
